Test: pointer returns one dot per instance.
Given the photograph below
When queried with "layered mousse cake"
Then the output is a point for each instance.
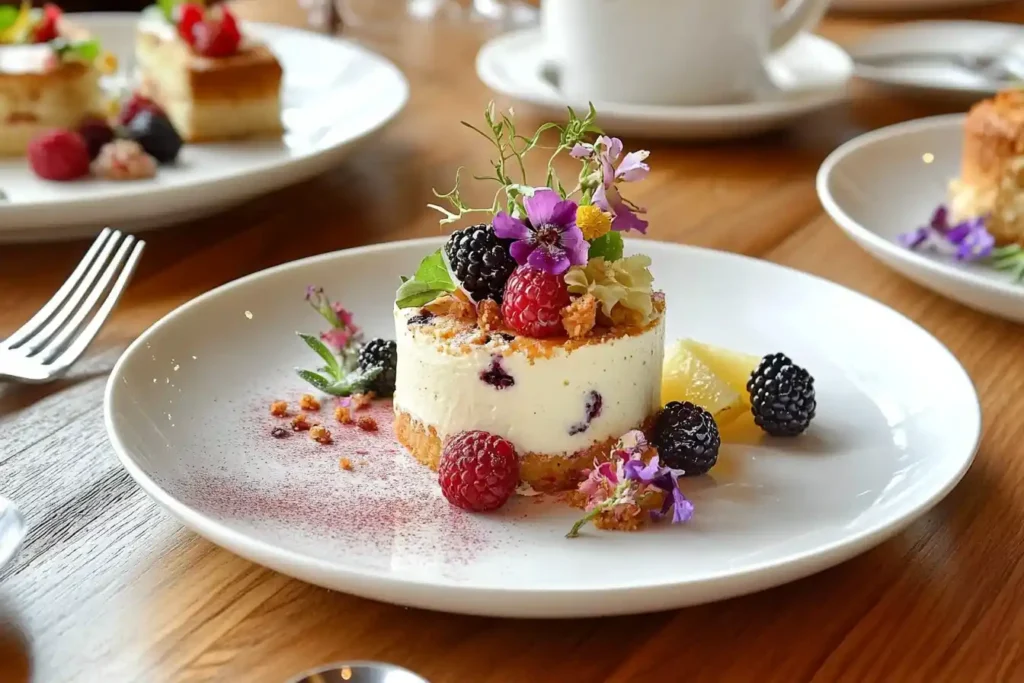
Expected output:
(561, 401)
(991, 182)
(49, 77)
(213, 82)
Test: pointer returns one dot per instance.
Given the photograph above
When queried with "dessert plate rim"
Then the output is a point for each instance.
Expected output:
(450, 594)
(118, 204)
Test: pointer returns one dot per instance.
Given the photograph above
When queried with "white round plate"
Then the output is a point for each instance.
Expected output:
(879, 185)
(187, 413)
(875, 6)
(808, 74)
(334, 94)
(937, 79)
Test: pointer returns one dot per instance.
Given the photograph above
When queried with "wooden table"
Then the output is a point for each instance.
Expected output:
(110, 588)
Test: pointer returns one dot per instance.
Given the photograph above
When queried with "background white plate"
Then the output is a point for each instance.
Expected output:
(878, 186)
(334, 93)
(808, 74)
(938, 80)
(186, 410)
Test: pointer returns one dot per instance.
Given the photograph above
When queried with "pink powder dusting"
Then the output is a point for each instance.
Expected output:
(293, 487)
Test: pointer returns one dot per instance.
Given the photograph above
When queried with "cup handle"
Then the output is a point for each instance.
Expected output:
(796, 16)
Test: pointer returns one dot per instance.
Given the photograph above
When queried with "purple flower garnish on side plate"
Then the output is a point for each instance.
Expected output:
(632, 167)
(549, 239)
(619, 486)
(965, 241)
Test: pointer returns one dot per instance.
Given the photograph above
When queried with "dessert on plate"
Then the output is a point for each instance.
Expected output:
(529, 353)
(49, 75)
(983, 220)
(214, 82)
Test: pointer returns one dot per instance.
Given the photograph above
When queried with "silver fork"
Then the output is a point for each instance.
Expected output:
(46, 346)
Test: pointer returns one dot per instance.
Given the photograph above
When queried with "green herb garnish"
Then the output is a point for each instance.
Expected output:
(336, 378)
(431, 280)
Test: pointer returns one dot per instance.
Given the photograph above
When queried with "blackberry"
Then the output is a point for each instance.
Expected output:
(781, 396)
(383, 354)
(480, 262)
(687, 438)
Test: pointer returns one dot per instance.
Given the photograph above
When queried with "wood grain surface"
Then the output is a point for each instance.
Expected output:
(109, 588)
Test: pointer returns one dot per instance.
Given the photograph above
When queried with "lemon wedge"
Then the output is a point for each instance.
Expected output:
(686, 377)
(732, 367)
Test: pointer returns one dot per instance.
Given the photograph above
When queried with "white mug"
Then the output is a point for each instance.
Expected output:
(668, 52)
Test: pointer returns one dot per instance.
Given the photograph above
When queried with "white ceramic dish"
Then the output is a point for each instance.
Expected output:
(938, 80)
(808, 74)
(186, 411)
(334, 94)
(879, 185)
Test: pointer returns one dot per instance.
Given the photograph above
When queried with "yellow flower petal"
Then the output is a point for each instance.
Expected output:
(592, 221)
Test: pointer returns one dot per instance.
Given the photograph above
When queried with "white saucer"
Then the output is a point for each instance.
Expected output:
(878, 186)
(187, 413)
(808, 74)
(334, 94)
(945, 37)
(877, 6)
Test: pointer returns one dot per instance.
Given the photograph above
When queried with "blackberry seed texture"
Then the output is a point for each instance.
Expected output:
(383, 354)
(781, 396)
(687, 438)
(480, 261)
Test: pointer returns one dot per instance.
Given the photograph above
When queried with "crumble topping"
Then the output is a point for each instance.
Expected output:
(309, 402)
(580, 316)
(343, 415)
(279, 408)
(345, 464)
(489, 316)
(320, 434)
(300, 423)
(367, 423)
(361, 401)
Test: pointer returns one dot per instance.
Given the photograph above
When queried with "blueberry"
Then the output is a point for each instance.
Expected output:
(155, 133)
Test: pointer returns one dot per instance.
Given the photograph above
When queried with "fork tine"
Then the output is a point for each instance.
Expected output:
(82, 341)
(70, 328)
(44, 314)
(36, 341)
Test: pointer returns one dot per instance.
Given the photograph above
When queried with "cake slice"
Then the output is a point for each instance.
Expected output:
(49, 77)
(213, 83)
(991, 181)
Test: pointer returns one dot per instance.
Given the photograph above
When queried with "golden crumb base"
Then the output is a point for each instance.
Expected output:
(544, 472)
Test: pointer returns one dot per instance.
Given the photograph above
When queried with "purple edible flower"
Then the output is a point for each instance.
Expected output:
(549, 240)
(966, 241)
(632, 167)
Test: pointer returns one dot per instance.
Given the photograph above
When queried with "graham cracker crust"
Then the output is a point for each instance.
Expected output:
(544, 472)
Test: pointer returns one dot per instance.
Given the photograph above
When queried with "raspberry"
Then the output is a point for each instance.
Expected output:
(229, 24)
(478, 471)
(188, 15)
(216, 38)
(46, 29)
(133, 106)
(687, 438)
(781, 396)
(480, 261)
(534, 301)
(383, 354)
(59, 155)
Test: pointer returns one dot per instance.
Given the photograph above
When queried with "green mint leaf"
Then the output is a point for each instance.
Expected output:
(430, 281)
(83, 50)
(607, 246)
(8, 16)
(324, 352)
(403, 278)
(318, 381)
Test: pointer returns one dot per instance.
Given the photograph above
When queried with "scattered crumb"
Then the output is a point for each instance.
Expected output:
(279, 408)
(279, 432)
(367, 423)
(320, 434)
(300, 423)
(360, 401)
(345, 464)
(309, 402)
(343, 415)
(626, 317)
(453, 306)
(488, 315)
(362, 452)
(579, 317)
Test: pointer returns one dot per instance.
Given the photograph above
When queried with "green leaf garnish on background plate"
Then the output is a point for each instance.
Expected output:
(608, 246)
(431, 280)
(8, 16)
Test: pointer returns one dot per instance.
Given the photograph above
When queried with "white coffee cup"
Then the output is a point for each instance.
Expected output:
(668, 52)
